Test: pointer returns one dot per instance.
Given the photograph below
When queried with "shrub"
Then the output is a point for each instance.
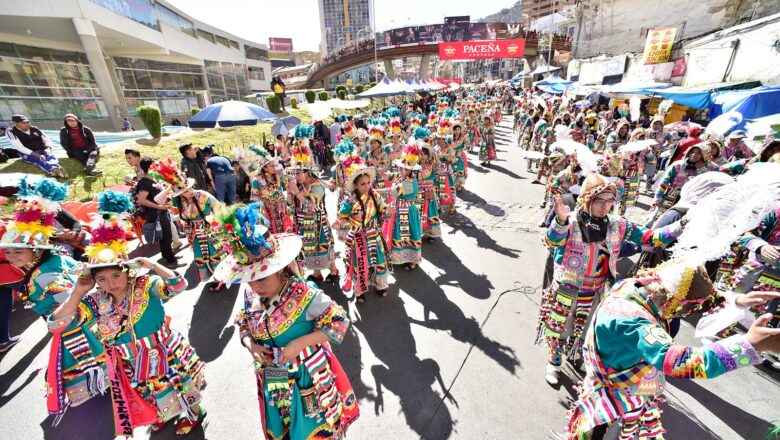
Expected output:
(150, 115)
(310, 96)
(194, 111)
(273, 103)
(294, 103)
(323, 95)
(341, 87)
(371, 84)
(359, 88)
(342, 94)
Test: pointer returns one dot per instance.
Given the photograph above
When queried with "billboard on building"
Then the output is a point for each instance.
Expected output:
(456, 28)
(478, 50)
(280, 44)
(658, 46)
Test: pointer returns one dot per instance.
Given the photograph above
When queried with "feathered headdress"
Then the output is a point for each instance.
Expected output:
(356, 166)
(420, 135)
(167, 171)
(110, 227)
(301, 158)
(33, 219)
(376, 129)
(344, 149)
(253, 252)
(349, 129)
(587, 161)
(410, 156)
(252, 159)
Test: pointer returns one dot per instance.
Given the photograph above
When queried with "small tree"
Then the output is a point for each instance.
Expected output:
(150, 115)
(342, 94)
(294, 103)
(273, 103)
(341, 87)
(323, 95)
(194, 111)
(359, 88)
(310, 96)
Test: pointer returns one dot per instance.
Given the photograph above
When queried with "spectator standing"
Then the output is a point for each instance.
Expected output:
(79, 142)
(223, 179)
(193, 167)
(243, 183)
(335, 131)
(33, 146)
(146, 191)
(279, 88)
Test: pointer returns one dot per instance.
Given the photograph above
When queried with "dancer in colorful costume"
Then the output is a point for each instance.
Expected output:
(363, 212)
(629, 349)
(668, 191)
(155, 374)
(487, 148)
(407, 225)
(428, 195)
(267, 188)
(626, 384)
(586, 244)
(288, 326)
(306, 193)
(344, 151)
(195, 208)
(458, 148)
(76, 371)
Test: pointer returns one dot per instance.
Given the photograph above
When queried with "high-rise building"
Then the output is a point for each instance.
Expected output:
(343, 22)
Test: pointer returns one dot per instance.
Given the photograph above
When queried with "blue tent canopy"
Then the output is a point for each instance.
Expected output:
(698, 99)
(553, 84)
(752, 103)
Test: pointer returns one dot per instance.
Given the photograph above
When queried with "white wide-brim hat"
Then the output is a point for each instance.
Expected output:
(369, 171)
(288, 247)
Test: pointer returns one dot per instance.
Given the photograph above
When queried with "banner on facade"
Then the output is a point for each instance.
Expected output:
(478, 50)
(281, 44)
(658, 46)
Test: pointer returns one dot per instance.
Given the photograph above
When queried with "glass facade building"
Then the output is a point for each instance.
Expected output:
(206, 66)
(46, 84)
(344, 21)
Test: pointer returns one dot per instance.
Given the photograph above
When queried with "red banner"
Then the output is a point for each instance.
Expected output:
(281, 44)
(476, 50)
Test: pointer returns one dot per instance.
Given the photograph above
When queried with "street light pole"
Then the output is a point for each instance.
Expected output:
(552, 35)
(376, 68)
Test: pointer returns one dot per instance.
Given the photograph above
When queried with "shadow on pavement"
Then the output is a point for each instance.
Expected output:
(213, 324)
(454, 272)
(14, 372)
(742, 422)
(91, 420)
(349, 352)
(386, 326)
(503, 170)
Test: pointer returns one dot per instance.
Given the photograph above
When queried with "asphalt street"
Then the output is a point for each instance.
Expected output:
(449, 354)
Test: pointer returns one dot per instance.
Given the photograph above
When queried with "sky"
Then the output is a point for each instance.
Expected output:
(256, 20)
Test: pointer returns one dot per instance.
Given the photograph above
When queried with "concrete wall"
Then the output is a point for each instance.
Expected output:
(756, 57)
(618, 26)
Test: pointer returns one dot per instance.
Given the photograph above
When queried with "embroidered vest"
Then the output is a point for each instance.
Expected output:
(578, 254)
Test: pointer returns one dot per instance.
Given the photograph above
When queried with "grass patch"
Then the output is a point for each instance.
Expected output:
(112, 158)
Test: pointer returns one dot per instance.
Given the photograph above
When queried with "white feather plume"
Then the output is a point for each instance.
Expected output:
(562, 133)
(636, 146)
(540, 102)
(758, 129)
(665, 106)
(585, 158)
(722, 217)
(634, 104)
(724, 123)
